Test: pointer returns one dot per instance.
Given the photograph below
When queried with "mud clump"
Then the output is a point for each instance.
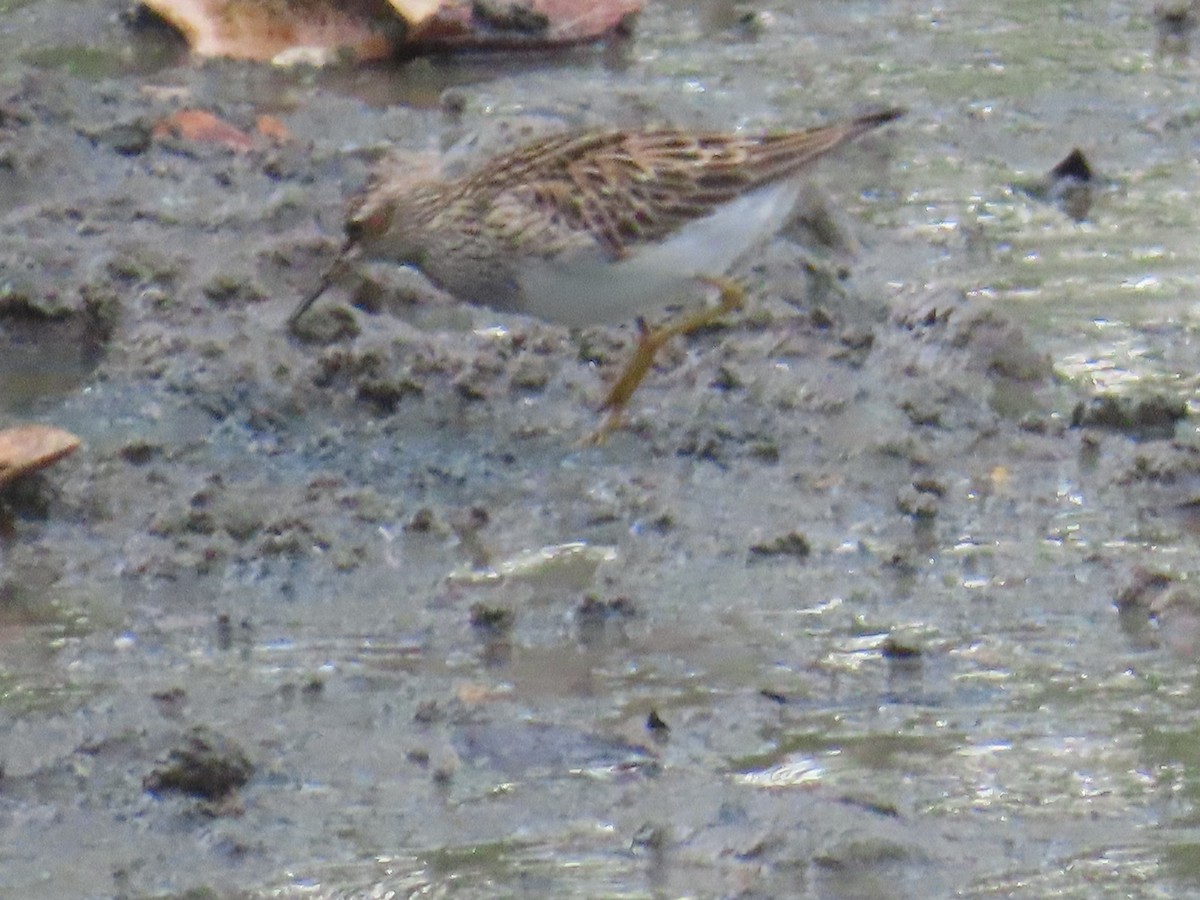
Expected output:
(1149, 416)
(205, 765)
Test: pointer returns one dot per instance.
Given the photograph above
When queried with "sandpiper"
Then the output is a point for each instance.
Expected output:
(592, 228)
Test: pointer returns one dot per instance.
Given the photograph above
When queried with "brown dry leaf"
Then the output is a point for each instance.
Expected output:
(27, 448)
(317, 31)
(518, 24)
(414, 12)
(202, 127)
(324, 31)
(474, 693)
(272, 129)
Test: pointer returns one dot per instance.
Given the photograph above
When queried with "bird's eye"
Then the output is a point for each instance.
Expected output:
(363, 228)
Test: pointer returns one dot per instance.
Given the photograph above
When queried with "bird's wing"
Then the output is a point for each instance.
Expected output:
(619, 189)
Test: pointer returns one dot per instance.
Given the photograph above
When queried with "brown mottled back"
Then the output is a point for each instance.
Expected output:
(621, 189)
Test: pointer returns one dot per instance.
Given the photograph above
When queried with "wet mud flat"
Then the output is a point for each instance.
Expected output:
(350, 609)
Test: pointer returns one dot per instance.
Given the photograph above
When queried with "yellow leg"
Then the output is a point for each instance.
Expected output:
(649, 342)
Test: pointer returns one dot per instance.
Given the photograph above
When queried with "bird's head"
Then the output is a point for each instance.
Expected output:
(387, 220)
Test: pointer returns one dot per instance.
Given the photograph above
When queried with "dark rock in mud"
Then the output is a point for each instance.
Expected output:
(1150, 416)
(792, 544)
(1070, 185)
(1170, 463)
(205, 765)
(920, 504)
(657, 726)
(1144, 588)
(923, 411)
(230, 290)
(491, 619)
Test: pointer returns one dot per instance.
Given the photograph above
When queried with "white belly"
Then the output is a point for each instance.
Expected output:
(586, 289)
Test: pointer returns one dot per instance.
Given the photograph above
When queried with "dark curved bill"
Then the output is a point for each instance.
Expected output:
(344, 257)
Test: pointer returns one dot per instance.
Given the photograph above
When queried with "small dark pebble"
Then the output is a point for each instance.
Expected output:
(1033, 424)
(126, 138)
(227, 290)
(930, 486)
(206, 765)
(385, 394)
(916, 503)
(623, 607)
(726, 380)
(170, 695)
(649, 837)
(1175, 22)
(454, 101)
(1144, 588)
(659, 524)
(1149, 416)
(170, 702)
(752, 23)
(492, 619)
(138, 453)
(821, 318)
(764, 451)
(857, 338)
(792, 544)
(1074, 165)
(887, 810)
(326, 325)
(428, 712)
(922, 412)
(516, 17)
(530, 374)
(656, 725)
(592, 608)
(891, 648)
(422, 521)
(1069, 185)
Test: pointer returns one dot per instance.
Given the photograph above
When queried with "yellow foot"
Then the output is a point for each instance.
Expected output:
(613, 419)
(649, 343)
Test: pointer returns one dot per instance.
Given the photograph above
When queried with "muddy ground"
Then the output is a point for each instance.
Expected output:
(835, 616)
